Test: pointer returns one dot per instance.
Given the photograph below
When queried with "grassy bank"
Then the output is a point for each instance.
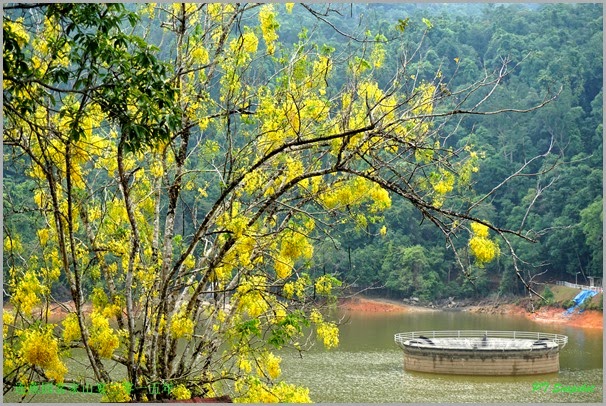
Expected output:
(563, 296)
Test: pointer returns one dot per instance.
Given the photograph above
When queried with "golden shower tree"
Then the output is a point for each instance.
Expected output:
(180, 191)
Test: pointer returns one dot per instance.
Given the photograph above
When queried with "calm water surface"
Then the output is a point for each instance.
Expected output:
(368, 366)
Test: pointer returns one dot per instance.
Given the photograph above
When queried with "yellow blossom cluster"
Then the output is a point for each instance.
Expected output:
(250, 295)
(12, 244)
(298, 287)
(293, 245)
(28, 291)
(43, 236)
(482, 247)
(102, 337)
(40, 348)
(71, 328)
(283, 117)
(369, 91)
(316, 317)
(444, 182)
(247, 42)
(254, 181)
(270, 363)
(288, 290)
(329, 333)
(17, 29)
(354, 192)
(233, 220)
(199, 55)
(325, 283)
(101, 303)
(8, 318)
(269, 25)
(187, 8)
(216, 11)
(253, 390)
(470, 166)
(244, 364)
(423, 103)
(378, 53)
(181, 325)
(180, 392)
(116, 392)
(42, 47)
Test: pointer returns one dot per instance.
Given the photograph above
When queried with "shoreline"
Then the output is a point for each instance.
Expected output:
(593, 319)
(549, 315)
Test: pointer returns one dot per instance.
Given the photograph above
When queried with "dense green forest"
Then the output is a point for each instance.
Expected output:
(549, 47)
(552, 47)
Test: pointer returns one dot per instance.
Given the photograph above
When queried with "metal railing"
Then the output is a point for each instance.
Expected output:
(598, 289)
(559, 339)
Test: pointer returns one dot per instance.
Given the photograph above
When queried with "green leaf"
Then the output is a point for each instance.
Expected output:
(250, 327)
(402, 24)
(327, 50)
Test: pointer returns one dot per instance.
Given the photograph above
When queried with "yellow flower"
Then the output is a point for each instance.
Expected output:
(329, 333)
(116, 392)
(103, 338)
(18, 30)
(12, 244)
(56, 371)
(200, 55)
(245, 365)
(181, 325)
(288, 290)
(272, 365)
(43, 235)
(267, 18)
(71, 328)
(479, 229)
(214, 10)
(40, 348)
(250, 42)
(7, 319)
(28, 292)
(483, 249)
(189, 262)
(180, 392)
(325, 283)
(316, 317)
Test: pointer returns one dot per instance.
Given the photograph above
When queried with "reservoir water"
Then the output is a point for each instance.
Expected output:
(367, 367)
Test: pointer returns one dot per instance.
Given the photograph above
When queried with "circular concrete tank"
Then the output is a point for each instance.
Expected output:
(473, 352)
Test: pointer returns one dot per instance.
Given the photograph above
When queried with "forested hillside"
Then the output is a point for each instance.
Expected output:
(548, 47)
(557, 47)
